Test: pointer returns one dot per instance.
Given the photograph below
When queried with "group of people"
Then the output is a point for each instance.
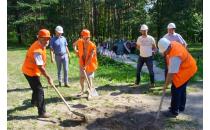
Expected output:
(120, 47)
(35, 63)
(180, 65)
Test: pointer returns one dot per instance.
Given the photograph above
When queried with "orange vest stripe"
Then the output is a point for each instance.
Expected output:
(188, 65)
(29, 66)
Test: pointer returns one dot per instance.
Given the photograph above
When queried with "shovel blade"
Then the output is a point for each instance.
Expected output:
(95, 93)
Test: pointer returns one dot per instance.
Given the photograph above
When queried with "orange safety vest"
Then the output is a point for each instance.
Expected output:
(187, 67)
(93, 65)
(29, 66)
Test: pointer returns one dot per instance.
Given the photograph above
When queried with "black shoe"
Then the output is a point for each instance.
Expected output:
(170, 114)
(59, 84)
(152, 85)
(180, 110)
(45, 115)
(136, 84)
(67, 85)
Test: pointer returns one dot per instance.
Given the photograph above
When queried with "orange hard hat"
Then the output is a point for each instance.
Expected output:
(44, 33)
(85, 33)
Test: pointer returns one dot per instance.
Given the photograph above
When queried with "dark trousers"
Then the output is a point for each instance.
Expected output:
(149, 64)
(37, 93)
(178, 98)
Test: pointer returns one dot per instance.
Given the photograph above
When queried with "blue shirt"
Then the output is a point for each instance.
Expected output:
(58, 44)
(175, 37)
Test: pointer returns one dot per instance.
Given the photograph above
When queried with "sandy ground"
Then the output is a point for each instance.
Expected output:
(126, 109)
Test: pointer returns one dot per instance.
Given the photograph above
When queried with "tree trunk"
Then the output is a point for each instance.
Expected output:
(19, 34)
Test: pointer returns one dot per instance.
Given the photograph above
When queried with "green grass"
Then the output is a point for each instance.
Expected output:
(197, 52)
(116, 72)
(186, 124)
(111, 76)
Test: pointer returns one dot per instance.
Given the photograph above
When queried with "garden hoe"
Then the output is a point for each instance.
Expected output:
(74, 112)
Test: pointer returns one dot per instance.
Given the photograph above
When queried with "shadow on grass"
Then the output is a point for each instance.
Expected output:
(19, 90)
(130, 89)
(20, 108)
(10, 117)
(70, 123)
(27, 104)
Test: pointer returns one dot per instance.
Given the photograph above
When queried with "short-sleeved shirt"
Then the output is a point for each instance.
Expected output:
(145, 44)
(38, 59)
(175, 37)
(174, 64)
(58, 44)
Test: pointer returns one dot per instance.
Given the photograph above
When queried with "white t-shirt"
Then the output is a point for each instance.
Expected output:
(174, 64)
(145, 44)
(38, 59)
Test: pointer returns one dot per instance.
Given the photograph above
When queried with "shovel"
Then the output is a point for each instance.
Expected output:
(74, 112)
(94, 93)
(161, 102)
(153, 125)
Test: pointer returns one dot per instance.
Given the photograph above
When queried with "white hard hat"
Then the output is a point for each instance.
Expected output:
(163, 44)
(171, 25)
(59, 29)
(144, 27)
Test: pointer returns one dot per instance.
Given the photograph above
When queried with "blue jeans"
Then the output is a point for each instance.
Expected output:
(149, 63)
(178, 98)
(62, 60)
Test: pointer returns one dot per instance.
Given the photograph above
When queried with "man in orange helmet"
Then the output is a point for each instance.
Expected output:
(34, 66)
(86, 51)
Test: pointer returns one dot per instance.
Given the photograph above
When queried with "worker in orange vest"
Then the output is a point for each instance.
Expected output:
(86, 51)
(181, 68)
(34, 66)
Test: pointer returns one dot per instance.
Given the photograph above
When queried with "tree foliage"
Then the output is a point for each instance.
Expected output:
(104, 18)
(186, 14)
